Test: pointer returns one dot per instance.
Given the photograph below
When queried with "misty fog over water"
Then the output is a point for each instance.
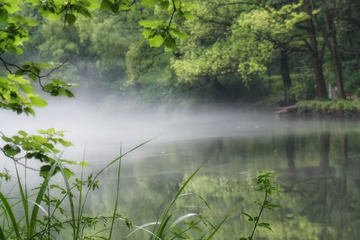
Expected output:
(107, 131)
(307, 154)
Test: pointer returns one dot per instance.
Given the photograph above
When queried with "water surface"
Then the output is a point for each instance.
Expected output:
(317, 162)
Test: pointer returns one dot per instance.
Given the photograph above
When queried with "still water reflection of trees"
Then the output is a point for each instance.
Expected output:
(318, 171)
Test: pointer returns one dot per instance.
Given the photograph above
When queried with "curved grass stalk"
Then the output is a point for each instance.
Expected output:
(165, 215)
(142, 227)
(176, 221)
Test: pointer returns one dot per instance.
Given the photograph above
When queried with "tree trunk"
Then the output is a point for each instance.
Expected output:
(315, 58)
(224, 93)
(333, 46)
(285, 74)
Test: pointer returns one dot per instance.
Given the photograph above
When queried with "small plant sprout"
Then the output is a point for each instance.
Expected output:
(264, 185)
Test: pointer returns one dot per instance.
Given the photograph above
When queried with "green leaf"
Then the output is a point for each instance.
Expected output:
(164, 5)
(188, 15)
(68, 173)
(170, 43)
(22, 133)
(12, 8)
(19, 72)
(31, 23)
(83, 164)
(180, 14)
(44, 65)
(34, 2)
(6, 139)
(85, 12)
(179, 34)
(26, 88)
(65, 143)
(70, 19)
(33, 77)
(147, 33)
(11, 150)
(115, 7)
(149, 3)
(49, 87)
(28, 111)
(105, 5)
(125, 7)
(156, 41)
(190, 5)
(249, 217)
(36, 70)
(44, 171)
(15, 49)
(40, 139)
(69, 93)
(147, 24)
(3, 15)
(38, 102)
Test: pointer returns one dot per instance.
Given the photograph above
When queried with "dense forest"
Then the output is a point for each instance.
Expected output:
(172, 54)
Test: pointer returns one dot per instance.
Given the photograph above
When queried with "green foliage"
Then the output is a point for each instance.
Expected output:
(339, 107)
(303, 87)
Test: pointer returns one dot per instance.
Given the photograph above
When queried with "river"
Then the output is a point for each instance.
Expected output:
(317, 162)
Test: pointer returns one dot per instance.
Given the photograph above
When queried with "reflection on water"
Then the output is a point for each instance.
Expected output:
(318, 172)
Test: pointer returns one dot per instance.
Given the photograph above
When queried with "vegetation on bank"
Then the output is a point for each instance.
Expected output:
(334, 108)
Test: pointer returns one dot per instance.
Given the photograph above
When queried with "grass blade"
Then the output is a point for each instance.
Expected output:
(38, 200)
(2, 236)
(69, 194)
(219, 225)
(117, 195)
(11, 214)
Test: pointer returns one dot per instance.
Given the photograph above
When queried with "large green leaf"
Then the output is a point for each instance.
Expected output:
(38, 102)
(188, 15)
(170, 43)
(115, 7)
(70, 19)
(44, 65)
(3, 15)
(147, 23)
(156, 41)
(105, 5)
(164, 4)
(26, 88)
(179, 34)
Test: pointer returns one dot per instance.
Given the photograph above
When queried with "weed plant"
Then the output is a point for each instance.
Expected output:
(47, 217)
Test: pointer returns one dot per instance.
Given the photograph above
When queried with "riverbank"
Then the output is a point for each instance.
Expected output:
(325, 108)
